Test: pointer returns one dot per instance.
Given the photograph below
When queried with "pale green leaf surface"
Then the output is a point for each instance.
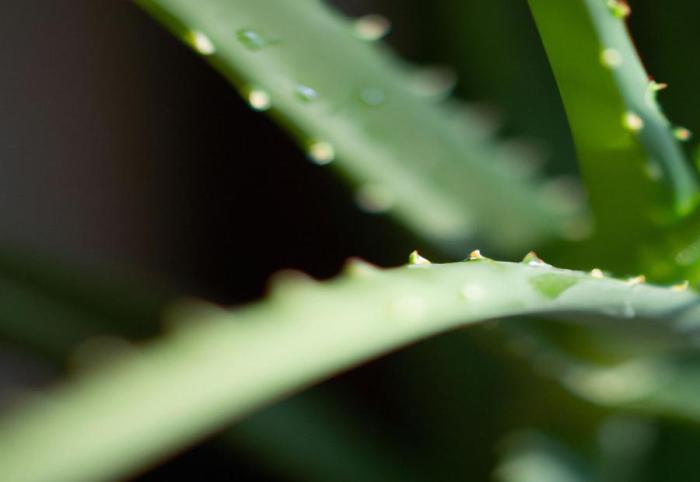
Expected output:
(222, 365)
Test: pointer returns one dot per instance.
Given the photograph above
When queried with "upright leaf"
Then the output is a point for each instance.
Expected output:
(637, 177)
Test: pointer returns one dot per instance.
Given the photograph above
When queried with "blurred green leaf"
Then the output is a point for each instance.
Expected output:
(432, 164)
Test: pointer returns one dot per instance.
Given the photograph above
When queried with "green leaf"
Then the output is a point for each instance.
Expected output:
(635, 172)
(430, 163)
(218, 366)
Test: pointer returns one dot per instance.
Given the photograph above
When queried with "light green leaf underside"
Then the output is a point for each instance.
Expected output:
(429, 162)
(222, 365)
(635, 172)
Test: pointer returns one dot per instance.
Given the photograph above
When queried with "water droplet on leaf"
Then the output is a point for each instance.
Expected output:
(372, 96)
(305, 93)
(251, 39)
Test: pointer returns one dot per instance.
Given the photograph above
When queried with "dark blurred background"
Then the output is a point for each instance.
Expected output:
(121, 151)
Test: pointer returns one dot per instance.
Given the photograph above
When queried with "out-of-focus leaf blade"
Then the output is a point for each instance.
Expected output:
(428, 162)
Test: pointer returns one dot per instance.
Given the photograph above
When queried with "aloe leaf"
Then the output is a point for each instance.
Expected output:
(222, 365)
(428, 162)
(636, 174)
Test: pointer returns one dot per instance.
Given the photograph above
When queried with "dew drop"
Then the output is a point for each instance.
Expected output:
(371, 27)
(611, 58)
(619, 8)
(200, 42)
(321, 152)
(259, 99)
(251, 39)
(372, 96)
(682, 134)
(632, 122)
(374, 198)
(305, 93)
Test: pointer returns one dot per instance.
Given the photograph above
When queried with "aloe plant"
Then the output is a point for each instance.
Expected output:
(410, 150)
